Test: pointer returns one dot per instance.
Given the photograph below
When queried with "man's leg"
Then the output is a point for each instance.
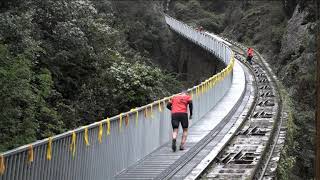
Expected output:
(250, 60)
(184, 138)
(175, 127)
(174, 139)
(185, 125)
(175, 133)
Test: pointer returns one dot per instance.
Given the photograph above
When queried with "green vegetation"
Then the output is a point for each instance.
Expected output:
(287, 156)
(69, 63)
(65, 63)
(198, 13)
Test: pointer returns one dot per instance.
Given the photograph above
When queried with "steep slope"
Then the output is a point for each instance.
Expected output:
(285, 33)
(65, 64)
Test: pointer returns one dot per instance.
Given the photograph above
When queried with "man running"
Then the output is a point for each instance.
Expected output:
(179, 114)
(249, 55)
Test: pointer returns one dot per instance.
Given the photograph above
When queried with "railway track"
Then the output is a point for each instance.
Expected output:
(256, 121)
(254, 150)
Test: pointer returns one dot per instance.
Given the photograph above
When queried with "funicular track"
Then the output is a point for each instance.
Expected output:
(242, 143)
(248, 154)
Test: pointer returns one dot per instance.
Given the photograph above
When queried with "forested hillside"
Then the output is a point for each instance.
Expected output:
(68, 63)
(285, 33)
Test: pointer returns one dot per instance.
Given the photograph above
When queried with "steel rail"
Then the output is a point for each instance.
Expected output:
(263, 163)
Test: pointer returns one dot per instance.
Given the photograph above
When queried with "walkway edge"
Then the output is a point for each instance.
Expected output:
(197, 171)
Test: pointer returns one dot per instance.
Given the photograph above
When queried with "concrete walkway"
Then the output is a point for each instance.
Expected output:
(163, 160)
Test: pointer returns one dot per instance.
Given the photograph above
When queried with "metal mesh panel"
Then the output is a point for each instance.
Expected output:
(126, 145)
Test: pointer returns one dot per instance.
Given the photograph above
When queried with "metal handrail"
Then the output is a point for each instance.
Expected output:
(17, 157)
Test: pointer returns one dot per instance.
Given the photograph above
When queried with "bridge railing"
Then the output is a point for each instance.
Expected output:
(102, 149)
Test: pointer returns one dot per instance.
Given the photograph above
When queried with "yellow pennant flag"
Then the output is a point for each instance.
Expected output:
(2, 165)
(151, 111)
(202, 88)
(159, 104)
(86, 137)
(146, 112)
(73, 144)
(137, 114)
(207, 87)
(100, 133)
(164, 103)
(196, 91)
(120, 122)
(49, 146)
(30, 154)
(127, 120)
(108, 126)
(191, 94)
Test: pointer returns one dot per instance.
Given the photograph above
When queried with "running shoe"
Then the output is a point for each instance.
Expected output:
(174, 147)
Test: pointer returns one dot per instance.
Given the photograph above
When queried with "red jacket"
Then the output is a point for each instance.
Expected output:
(180, 103)
(250, 52)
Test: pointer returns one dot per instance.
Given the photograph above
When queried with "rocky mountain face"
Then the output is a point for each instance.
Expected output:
(284, 32)
(289, 44)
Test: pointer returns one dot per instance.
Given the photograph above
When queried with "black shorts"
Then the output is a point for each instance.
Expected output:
(178, 118)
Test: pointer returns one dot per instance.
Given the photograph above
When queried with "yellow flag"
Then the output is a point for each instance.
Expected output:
(196, 91)
(49, 146)
(100, 133)
(86, 137)
(146, 112)
(120, 122)
(164, 103)
(30, 154)
(2, 165)
(108, 126)
(159, 104)
(137, 114)
(127, 120)
(151, 111)
(73, 144)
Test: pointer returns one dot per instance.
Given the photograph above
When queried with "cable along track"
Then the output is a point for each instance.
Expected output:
(248, 153)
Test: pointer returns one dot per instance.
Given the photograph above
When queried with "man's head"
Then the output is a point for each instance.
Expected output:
(184, 91)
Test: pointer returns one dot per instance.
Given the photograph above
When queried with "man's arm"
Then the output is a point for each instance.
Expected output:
(169, 105)
(190, 108)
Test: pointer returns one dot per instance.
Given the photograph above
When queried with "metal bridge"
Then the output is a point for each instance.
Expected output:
(236, 131)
